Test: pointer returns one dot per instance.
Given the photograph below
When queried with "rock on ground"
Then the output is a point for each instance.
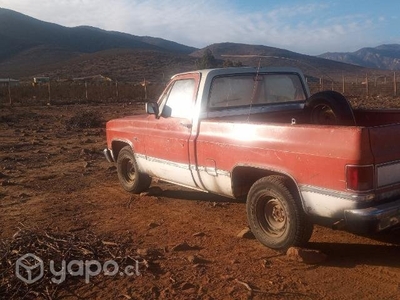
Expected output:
(308, 256)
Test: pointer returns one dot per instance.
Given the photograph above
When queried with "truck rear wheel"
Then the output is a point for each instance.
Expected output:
(275, 216)
(128, 172)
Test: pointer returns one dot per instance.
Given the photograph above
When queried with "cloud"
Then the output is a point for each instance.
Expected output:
(307, 27)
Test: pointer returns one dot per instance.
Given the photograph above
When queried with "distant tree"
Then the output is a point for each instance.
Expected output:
(238, 64)
(207, 60)
(228, 63)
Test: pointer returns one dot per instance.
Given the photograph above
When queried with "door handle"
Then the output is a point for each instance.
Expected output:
(187, 125)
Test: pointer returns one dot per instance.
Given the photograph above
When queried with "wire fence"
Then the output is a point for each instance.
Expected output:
(108, 92)
(71, 92)
(363, 85)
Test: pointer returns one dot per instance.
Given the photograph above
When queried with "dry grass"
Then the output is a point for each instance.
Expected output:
(85, 119)
(58, 247)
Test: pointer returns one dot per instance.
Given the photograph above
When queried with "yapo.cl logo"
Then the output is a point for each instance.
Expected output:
(29, 268)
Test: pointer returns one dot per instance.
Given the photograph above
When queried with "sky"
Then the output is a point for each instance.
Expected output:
(307, 27)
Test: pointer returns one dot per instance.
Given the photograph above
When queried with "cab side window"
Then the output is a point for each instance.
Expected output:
(180, 98)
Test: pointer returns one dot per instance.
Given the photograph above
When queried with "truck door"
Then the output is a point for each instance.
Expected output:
(167, 142)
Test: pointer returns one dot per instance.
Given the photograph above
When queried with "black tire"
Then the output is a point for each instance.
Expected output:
(275, 215)
(128, 172)
(329, 108)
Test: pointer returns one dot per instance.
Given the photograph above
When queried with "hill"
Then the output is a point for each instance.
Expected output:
(270, 56)
(30, 47)
(126, 65)
(386, 57)
(28, 44)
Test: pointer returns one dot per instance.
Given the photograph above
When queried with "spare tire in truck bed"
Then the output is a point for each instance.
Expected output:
(329, 108)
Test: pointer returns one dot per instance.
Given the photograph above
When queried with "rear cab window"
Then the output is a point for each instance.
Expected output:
(255, 89)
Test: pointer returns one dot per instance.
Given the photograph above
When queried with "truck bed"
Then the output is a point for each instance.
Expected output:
(363, 117)
(307, 149)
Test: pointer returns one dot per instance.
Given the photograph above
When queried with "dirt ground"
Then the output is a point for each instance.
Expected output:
(56, 179)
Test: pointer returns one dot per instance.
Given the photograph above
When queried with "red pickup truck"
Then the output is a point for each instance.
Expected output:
(257, 134)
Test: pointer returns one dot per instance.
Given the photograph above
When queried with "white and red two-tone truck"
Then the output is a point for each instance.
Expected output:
(257, 134)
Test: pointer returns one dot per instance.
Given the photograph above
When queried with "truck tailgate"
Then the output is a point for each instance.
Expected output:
(385, 146)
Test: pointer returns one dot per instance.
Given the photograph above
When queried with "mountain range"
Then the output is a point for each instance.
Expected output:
(385, 57)
(30, 47)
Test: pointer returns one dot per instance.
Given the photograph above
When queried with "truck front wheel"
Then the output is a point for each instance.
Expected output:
(275, 216)
(128, 172)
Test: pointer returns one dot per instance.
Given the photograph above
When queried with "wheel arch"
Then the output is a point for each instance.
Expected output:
(244, 176)
(117, 145)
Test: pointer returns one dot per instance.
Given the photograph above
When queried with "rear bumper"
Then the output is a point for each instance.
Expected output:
(108, 155)
(373, 219)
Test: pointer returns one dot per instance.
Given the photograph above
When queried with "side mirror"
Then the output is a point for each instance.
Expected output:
(152, 108)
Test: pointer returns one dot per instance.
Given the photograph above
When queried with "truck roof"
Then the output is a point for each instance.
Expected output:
(239, 70)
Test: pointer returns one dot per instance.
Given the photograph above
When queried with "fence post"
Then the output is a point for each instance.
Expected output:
(366, 84)
(116, 90)
(343, 85)
(86, 91)
(144, 84)
(394, 84)
(321, 83)
(9, 91)
(49, 89)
